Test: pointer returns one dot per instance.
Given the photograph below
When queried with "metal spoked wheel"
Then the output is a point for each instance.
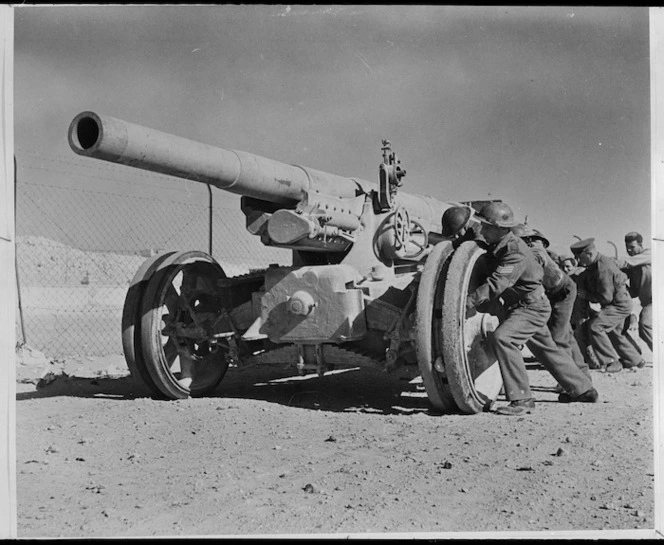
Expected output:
(471, 366)
(131, 322)
(428, 331)
(178, 307)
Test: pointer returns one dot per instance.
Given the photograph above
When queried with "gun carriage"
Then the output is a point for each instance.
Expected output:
(371, 278)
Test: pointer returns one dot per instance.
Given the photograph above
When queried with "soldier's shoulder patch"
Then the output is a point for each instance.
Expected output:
(505, 269)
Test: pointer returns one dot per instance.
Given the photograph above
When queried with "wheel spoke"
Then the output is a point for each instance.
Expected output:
(170, 351)
(178, 367)
(189, 279)
(172, 300)
(187, 367)
(197, 277)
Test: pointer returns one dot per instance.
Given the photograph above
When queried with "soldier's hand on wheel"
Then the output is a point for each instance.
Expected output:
(490, 307)
(470, 310)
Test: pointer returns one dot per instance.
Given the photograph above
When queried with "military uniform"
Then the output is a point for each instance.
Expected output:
(517, 280)
(579, 320)
(604, 283)
(638, 269)
(561, 291)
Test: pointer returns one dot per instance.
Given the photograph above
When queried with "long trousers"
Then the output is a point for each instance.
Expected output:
(607, 338)
(582, 336)
(561, 327)
(526, 324)
(645, 325)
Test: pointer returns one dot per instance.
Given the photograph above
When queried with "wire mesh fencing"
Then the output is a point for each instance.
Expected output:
(82, 232)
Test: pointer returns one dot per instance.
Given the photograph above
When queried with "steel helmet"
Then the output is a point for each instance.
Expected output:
(521, 230)
(539, 235)
(497, 214)
(454, 219)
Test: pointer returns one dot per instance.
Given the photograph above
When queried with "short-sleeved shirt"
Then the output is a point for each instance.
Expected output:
(638, 269)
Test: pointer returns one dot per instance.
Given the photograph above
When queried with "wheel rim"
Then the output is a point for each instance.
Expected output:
(479, 357)
(131, 321)
(470, 361)
(437, 332)
(183, 360)
(428, 332)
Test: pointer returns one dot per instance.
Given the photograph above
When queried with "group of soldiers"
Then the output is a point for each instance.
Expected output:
(573, 313)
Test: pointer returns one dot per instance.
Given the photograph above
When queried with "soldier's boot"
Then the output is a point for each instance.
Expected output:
(613, 367)
(517, 407)
(591, 396)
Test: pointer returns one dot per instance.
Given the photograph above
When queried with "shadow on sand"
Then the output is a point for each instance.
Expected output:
(352, 389)
(355, 389)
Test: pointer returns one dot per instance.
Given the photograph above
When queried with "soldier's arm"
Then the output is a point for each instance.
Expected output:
(505, 275)
(638, 260)
(581, 289)
(540, 254)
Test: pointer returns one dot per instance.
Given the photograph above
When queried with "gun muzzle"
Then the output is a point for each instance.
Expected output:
(117, 141)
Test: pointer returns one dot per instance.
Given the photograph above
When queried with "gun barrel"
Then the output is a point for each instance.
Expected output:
(117, 141)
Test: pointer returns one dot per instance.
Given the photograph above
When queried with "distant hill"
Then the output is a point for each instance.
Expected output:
(78, 219)
(46, 262)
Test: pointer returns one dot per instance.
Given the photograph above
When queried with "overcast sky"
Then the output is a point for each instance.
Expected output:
(545, 108)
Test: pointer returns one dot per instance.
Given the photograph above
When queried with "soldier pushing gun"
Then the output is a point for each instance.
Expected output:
(604, 283)
(369, 267)
(517, 280)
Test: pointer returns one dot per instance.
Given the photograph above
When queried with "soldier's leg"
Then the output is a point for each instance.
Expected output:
(557, 322)
(625, 331)
(577, 356)
(582, 336)
(599, 326)
(559, 363)
(561, 329)
(519, 325)
(629, 355)
(645, 325)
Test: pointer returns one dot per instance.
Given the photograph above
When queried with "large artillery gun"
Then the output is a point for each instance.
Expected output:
(372, 280)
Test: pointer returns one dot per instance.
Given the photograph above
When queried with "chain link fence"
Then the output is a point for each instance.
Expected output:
(83, 228)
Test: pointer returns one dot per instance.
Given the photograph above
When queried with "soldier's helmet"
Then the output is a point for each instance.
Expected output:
(521, 230)
(497, 214)
(539, 235)
(454, 219)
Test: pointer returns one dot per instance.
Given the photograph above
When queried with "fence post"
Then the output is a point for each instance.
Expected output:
(210, 192)
(18, 284)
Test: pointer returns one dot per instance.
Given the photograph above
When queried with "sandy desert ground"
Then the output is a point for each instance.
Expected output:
(356, 452)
